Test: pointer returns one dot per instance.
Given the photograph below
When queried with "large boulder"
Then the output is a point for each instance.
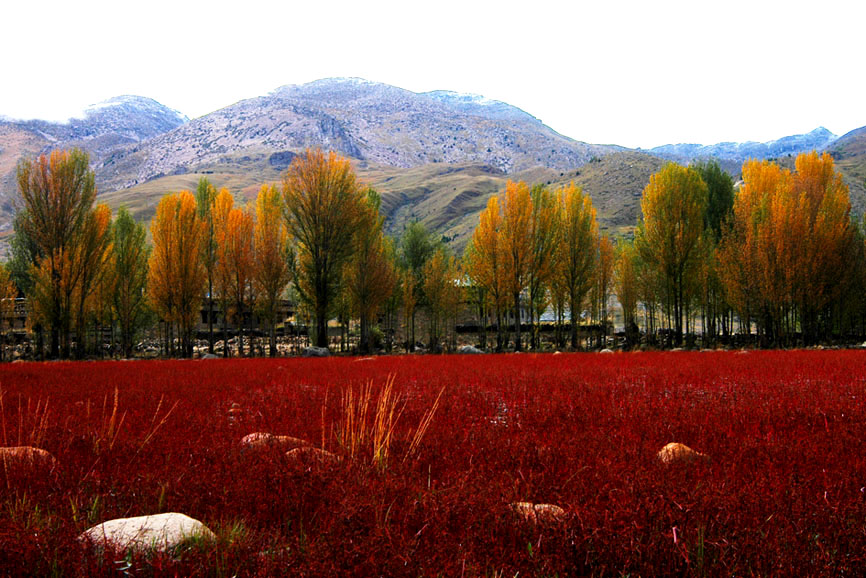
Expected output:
(269, 441)
(160, 532)
(316, 352)
(538, 513)
(677, 453)
(26, 461)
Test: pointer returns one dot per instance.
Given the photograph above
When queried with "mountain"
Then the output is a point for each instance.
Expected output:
(105, 127)
(366, 121)
(849, 155)
(818, 139)
(436, 156)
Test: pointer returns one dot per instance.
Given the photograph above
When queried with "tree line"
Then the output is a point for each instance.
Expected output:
(778, 258)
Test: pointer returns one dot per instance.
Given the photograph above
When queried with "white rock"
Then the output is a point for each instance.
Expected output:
(160, 532)
(606, 350)
(316, 352)
(468, 350)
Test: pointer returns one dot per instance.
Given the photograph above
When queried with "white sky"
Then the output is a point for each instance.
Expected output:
(636, 73)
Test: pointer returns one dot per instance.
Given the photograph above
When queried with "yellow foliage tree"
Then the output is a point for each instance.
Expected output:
(322, 208)
(272, 272)
(235, 264)
(442, 291)
(485, 262)
(176, 274)
(517, 246)
(670, 234)
(371, 275)
(576, 251)
(783, 259)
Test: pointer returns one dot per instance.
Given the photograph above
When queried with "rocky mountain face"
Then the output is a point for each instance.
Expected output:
(367, 121)
(818, 139)
(849, 154)
(103, 128)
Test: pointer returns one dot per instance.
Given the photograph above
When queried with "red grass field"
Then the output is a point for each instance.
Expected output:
(783, 493)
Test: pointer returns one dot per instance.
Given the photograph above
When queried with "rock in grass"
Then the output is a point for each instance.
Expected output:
(468, 350)
(310, 456)
(26, 460)
(538, 513)
(316, 352)
(263, 440)
(606, 350)
(676, 452)
(160, 532)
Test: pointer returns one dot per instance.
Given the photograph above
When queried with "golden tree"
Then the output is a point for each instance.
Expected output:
(485, 262)
(576, 250)
(441, 290)
(542, 262)
(271, 271)
(670, 234)
(371, 274)
(176, 274)
(783, 259)
(516, 245)
(89, 265)
(322, 209)
(235, 264)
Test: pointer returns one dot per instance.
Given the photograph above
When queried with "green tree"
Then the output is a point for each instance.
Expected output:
(720, 196)
(205, 196)
(416, 248)
(131, 255)
(57, 194)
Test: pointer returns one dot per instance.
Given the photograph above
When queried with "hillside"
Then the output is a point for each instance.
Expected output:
(114, 124)
(446, 198)
(849, 153)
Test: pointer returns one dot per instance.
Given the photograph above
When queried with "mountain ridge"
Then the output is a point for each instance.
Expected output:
(435, 156)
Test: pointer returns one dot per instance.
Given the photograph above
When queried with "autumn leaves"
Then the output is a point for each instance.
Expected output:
(536, 240)
(781, 255)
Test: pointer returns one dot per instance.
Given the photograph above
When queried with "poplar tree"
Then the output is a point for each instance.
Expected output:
(322, 211)
(57, 195)
(670, 234)
(130, 259)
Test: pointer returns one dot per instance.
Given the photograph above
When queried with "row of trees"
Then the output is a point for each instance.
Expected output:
(319, 235)
(780, 255)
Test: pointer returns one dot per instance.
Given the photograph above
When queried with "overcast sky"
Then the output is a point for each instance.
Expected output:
(638, 74)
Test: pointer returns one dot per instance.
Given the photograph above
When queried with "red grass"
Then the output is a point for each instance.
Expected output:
(782, 494)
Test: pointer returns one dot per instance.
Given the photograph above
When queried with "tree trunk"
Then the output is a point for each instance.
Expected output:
(517, 344)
